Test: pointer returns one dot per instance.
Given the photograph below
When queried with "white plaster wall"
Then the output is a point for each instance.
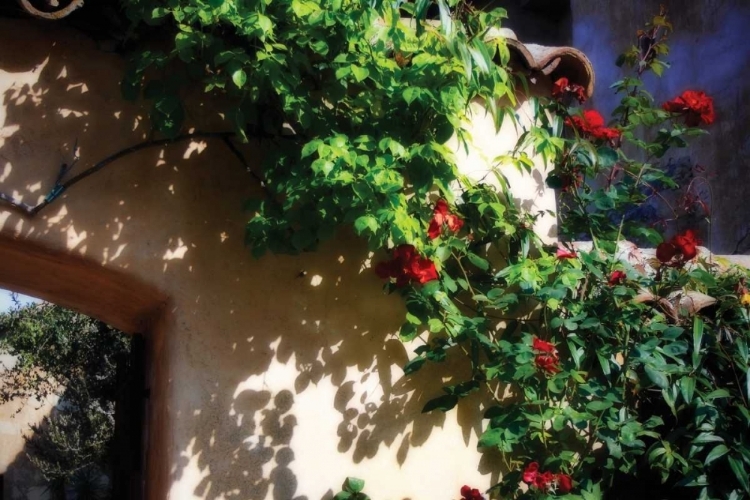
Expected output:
(264, 384)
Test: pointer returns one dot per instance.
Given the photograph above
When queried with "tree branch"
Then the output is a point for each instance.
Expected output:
(60, 187)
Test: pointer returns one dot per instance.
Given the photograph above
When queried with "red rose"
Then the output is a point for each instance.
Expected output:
(564, 253)
(562, 87)
(695, 106)
(665, 252)
(530, 472)
(684, 246)
(547, 363)
(687, 244)
(442, 216)
(544, 346)
(422, 269)
(591, 124)
(617, 277)
(542, 481)
(469, 493)
(564, 483)
(407, 266)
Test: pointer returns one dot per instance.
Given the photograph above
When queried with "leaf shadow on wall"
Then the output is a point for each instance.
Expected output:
(271, 375)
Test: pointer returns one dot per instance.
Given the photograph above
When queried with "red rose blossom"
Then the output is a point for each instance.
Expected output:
(546, 358)
(530, 472)
(544, 346)
(406, 266)
(562, 86)
(542, 481)
(682, 247)
(442, 216)
(532, 476)
(591, 124)
(469, 493)
(617, 277)
(564, 483)
(547, 363)
(564, 253)
(695, 106)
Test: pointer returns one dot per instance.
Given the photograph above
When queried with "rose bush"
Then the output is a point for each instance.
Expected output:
(627, 374)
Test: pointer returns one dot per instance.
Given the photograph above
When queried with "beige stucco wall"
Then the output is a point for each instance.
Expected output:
(264, 384)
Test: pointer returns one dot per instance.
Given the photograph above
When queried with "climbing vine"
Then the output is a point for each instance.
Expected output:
(609, 368)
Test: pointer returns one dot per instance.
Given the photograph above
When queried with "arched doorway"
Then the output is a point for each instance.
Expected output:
(132, 307)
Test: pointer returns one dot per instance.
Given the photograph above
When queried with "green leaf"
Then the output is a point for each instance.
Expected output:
(239, 77)
(687, 388)
(607, 157)
(411, 93)
(360, 73)
(491, 438)
(366, 222)
(310, 148)
(478, 261)
(697, 340)
(718, 451)
(353, 484)
(442, 403)
(740, 473)
(657, 377)
(344, 495)
(413, 365)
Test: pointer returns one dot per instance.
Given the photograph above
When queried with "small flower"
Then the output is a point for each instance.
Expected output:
(745, 299)
(406, 266)
(564, 483)
(617, 277)
(441, 216)
(695, 106)
(564, 253)
(563, 87)
(591, 124)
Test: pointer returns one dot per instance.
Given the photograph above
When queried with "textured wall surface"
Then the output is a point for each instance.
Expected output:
(710, 52)
(272, 378)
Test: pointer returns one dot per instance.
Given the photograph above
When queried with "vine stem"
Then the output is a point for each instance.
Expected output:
(60, 187)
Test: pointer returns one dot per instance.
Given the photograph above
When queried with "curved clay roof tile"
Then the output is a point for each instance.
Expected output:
(555, 62)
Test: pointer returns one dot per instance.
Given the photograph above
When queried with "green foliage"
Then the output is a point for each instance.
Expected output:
(62, 353)
(357, 101)
(352, 490)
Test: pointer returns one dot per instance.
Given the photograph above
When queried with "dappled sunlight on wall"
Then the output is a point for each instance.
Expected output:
(270, 378)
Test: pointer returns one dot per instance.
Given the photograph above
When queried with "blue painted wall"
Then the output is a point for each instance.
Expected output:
(710, 52)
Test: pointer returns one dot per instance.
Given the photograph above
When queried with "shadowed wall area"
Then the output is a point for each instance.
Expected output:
(709, 52)
(274, 378)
